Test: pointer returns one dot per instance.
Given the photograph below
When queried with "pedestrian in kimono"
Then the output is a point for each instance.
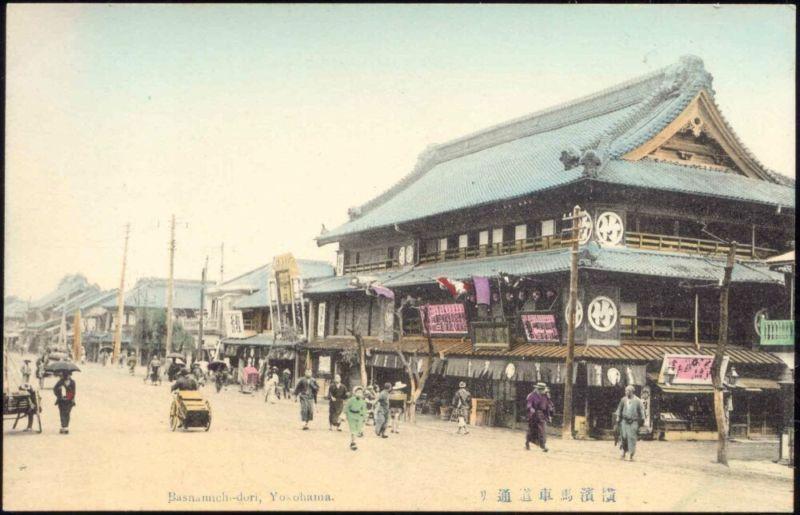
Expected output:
(630, 413)
(306, 392)
(355, 409)
(382, 411)
(397, 404)
(337, 393)
(540, 409)
(64, 391)
(462, 404)
(286, 382)
(26, 371)
(271, 388)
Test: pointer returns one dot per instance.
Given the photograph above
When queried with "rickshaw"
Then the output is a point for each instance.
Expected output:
(249, 380)
(21, 404)
(189, 409)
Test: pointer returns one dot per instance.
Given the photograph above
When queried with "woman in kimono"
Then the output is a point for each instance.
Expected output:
(355, 409)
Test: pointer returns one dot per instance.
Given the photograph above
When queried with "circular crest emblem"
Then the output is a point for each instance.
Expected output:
(401, 256)
(761, 313)
(578, 313)
(585, 228)
(409, 254)
(602, 314)
(510, 370)
(613, 376)
(609, 228)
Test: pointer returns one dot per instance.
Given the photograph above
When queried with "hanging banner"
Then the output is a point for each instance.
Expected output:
(324, 365)
(444, 319)
(321, 320)
(689, 369)
(646, 407)
(540, 327)
(234, 324)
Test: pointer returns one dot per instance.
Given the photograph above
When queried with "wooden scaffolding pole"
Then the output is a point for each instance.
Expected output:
(120, 300)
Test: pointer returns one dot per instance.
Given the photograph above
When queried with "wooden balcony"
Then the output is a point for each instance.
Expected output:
(496, 249)
(692, 245)
(776, 332)
(666, 329)
(370, 267)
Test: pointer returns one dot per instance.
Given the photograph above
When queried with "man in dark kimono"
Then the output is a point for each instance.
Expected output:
(306, 392)
(337, 393)
(540, 409)
(64, 390)
(630, 413)
(286, 381)
(382, 411)
(462, 404)
(185, 381)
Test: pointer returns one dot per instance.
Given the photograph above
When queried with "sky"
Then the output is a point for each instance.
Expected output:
(255, 124)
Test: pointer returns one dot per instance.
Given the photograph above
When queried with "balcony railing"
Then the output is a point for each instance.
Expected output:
(496, 249)
(193, 324)
(370, 267)
(668, 329)
(776, 332)
(691, 245)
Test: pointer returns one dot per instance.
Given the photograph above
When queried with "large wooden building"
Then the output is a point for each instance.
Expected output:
(665, 184)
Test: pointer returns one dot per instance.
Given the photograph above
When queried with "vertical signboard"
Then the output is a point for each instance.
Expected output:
(321, 320)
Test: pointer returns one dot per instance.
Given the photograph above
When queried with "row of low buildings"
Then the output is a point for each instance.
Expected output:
(665, 186)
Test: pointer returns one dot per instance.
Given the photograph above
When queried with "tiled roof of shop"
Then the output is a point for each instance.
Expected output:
(611, 259)
(685, 179)
(152, 293)
(309, 270)
(67, 286)
(521, 156)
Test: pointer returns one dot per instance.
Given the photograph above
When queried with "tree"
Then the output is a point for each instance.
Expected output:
(150, 332)
(362, 355)
(417, 375)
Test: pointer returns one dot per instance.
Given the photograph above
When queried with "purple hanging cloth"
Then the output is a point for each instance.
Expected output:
(482, 292)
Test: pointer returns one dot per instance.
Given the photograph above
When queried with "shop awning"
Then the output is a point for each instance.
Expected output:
(260, 340)
(752, 384)
(687, 388)
(613, 374)
(386, 360)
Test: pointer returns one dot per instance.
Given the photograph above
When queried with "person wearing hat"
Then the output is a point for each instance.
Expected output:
(286, 383)
(397, 404)
(382, 411)
(462, 404)
(26, 371)
(64, 391)
(540, 409)
(185, 381)
(355, 409)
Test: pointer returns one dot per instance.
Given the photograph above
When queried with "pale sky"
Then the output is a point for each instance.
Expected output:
(256, 124)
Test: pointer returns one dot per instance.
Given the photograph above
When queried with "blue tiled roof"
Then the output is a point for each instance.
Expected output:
(67, 286)
(309, 270)
(684, 179)
(152, 293)
(521, 157)
(610, 259)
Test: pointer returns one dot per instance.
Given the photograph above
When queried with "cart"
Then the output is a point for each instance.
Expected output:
(21, 404)
(188, 410)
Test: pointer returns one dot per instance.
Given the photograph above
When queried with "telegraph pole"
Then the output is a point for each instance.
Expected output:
(120, 300)
(222, 263)
(203, 303)
(722, 342)
(566, 428)
(169, 284)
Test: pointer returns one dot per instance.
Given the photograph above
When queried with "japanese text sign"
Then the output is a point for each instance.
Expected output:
(540, 327)
(444, 318)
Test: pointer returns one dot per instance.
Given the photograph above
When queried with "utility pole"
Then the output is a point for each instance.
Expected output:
(722, 342)
(169, 284)
(222, 263)
(120, 300)
(566, 428)
(202, 303)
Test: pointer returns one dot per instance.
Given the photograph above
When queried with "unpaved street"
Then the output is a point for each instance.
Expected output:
(120, 454)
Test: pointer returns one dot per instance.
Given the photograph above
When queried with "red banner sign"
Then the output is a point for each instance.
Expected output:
(540, 327)
(444, 319)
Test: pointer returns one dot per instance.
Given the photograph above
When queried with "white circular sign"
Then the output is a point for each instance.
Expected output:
(585, 228)
(613, 376)
(602, 314)
(510, 370)
(401, 256)
(609, 228)
(761, 313)
(409, 254)
(578, 313)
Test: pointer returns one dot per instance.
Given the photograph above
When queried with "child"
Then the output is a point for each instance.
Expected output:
(355, 409)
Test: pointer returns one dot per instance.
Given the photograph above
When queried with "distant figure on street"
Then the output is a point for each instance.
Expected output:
(26, 371)
(355, 409)
(397, 405)
(462, 404)
(370, 396)
(105, 358)
(64, 391)
(173, 370)
(286, 383)
(122, 358)
(337, 393)
(630, 413)
(270, 387)
(219, 378)
(155, 365)
(131, 363)
(382, 411)
(185, 381)
(306, 392)
(539, 411)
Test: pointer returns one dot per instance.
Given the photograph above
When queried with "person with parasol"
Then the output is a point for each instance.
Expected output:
(64, 391)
